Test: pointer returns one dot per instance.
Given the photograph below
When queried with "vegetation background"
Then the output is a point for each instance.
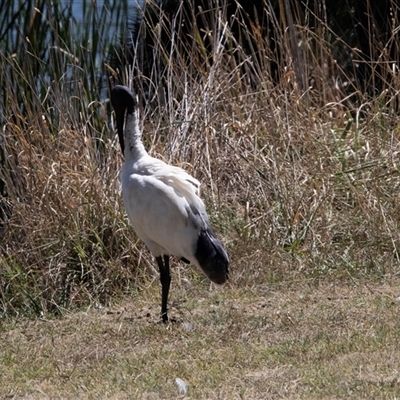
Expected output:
(291, 122)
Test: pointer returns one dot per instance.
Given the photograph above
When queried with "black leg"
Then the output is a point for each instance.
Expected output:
(165, 279)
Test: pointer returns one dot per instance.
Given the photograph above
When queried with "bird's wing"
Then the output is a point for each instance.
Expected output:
(159, 215)
(182, 182)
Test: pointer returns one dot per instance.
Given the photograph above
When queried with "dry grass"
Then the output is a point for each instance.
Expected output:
(308, 180)
(306, 342)
(303, 188)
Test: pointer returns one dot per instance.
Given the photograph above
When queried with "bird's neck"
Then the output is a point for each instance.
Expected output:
(134, 148)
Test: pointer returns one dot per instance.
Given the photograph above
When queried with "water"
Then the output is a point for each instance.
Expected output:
(80, 10)
(78, 7)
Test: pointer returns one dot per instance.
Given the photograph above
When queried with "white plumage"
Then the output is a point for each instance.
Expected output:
(163, 204)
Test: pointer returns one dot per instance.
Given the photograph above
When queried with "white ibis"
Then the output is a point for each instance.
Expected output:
(163, 204)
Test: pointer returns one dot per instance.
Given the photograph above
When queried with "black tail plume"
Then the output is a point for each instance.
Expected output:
(212, 256)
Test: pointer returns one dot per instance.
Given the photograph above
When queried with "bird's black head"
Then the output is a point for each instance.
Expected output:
(123, 100)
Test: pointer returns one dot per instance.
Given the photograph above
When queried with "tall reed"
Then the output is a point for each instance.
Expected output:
(60, 203)
(298, 163)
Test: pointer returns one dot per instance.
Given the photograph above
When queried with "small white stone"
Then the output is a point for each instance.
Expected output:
(182, 386)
